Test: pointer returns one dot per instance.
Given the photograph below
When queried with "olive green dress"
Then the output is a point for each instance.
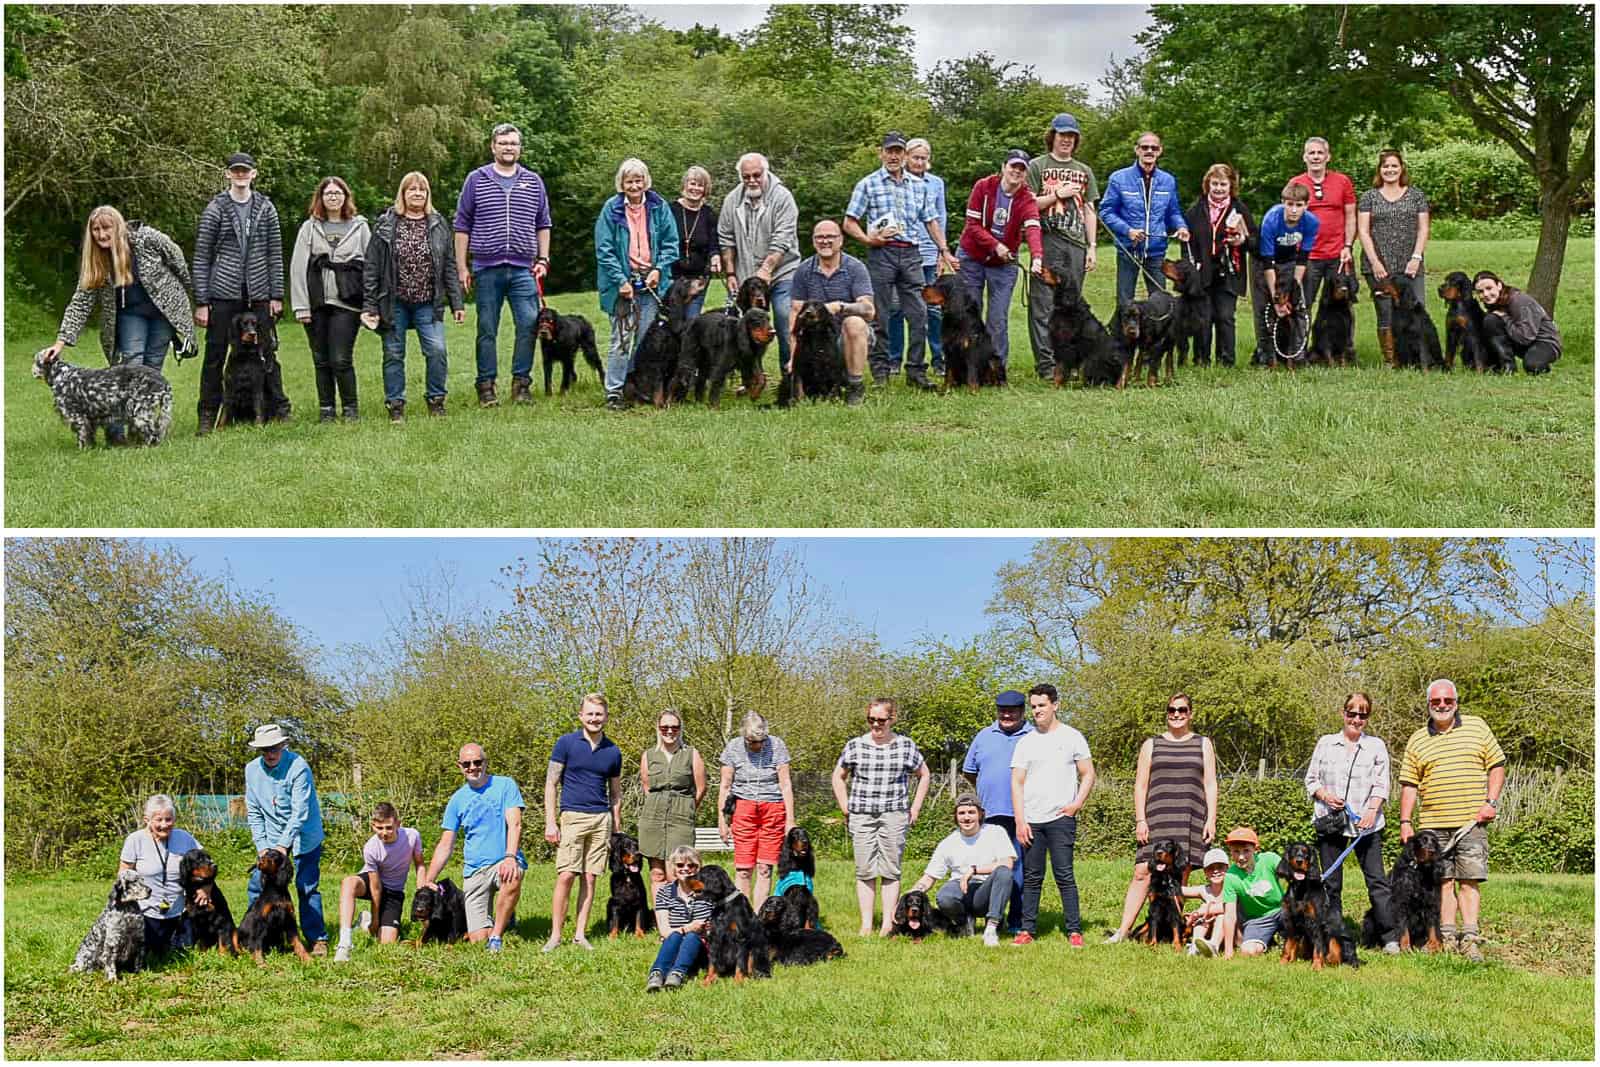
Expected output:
(667, 819)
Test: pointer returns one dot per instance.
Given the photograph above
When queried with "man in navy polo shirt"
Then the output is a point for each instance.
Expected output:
(587, 765)
(988, 769)
(840, 281)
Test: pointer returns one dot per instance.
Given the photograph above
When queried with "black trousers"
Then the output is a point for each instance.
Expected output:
(1536, 357)
(216, 359)
(1054, 839)
(1222, 306)
(332, 334)
(1369, 855)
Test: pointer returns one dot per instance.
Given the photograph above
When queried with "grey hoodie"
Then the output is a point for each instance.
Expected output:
(756, 234)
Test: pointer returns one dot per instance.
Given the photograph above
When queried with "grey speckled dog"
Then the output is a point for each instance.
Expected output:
(116, 940)
(89, 399)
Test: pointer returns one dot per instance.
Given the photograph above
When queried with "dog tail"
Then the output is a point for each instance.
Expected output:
(591, 355)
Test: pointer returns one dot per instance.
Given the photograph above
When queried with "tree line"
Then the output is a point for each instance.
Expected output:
(128, 673)
(139, 105)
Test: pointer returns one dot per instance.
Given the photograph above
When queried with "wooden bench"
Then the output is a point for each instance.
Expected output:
(706, 839)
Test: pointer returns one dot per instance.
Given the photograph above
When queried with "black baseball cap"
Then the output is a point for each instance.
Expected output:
(241, 159)
(894, 139)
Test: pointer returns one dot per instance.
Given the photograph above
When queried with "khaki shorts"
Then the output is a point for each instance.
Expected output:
(879, 842)
(585, 842)
(1470, 860)
(479, 889)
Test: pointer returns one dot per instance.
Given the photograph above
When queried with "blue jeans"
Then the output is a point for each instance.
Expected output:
(430, 333)
(781, 301)
(143, 338)
(1001, 282)
(1055, 839)
(897, 328)
(1128, 274)
(897, 271)
(1008, 823)
(618, 362)
(987, 898)
(679, 952)
(307, 873)
(495, 286)
(697, 304)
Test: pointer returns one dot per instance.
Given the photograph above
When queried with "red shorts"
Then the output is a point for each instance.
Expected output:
(757, 829)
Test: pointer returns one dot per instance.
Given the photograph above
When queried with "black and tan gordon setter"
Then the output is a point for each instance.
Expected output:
(440, 913)
(754, 292)
(628, 907)
(1157, 316)
(970, 358)
(916, 917)
(1334, 332)
(736, 943)
(789, 941)
(1463, 327)
(1081, 346)
(1310, 928)
(818, 372)
(1194, 305)
(1416, 339)
(1287, 341)
(561, 338)
(1163, 921)
(209, 915)
(718, 343)
(796, 854)
(656, 363)
(269, 924)
(1414, 887)
(252, 351)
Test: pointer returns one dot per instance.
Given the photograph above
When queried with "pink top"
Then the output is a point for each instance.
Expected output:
(638, 236)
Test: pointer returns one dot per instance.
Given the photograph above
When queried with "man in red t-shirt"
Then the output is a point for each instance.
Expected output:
(1333, 202)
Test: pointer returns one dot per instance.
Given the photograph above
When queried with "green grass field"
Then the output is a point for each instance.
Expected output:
(944, 999)
(1224, 448)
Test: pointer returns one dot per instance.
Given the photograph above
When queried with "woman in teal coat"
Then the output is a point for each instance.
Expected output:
(635, 246)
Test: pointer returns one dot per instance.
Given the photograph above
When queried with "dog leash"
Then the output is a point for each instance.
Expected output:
(1351, 820)
(1301, 316)
(1160, 283)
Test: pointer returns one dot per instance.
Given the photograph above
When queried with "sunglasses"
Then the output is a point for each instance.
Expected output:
(687, 866)
(876, 721)
(1178, 711)
(468, 764)
(669, 729)
(1447, 702)
(1357, 715)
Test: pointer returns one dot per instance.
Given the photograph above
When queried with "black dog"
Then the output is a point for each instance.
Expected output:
(794, 855)
(754, 293)
(1081, 346)
(1333, 334)
(1414, 887)
(209, 915)
(1285, 325)
(1194, 305)
(1416, 339)
(970, 358)
(656, 363)
(628, 906)
(441, 913)
(561, 338)
(1463, 327)
(818, 360)
(270, 924)
(1157, 316)
(789, 941)
(1163, 921)
(1310, 928)
(1124, 328)
(916, 917)
(718, 343)
(736, 943)
(252, 353)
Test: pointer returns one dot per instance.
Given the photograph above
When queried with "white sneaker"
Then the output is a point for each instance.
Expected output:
(341, 954)
(1192, 950)
(364, 921)
(991, 936)
(1114, 937)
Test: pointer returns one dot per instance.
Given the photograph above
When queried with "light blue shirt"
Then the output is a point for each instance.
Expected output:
(281, 804)
(482, 814)
(989, 757)
(925, 242)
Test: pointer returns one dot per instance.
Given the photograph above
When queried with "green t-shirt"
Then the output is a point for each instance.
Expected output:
(1044, 172)
(1257, 891)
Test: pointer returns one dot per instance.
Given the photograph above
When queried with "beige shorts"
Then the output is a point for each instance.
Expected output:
(879, 842)
(479, 889)
(1470, 860)
(585, 841)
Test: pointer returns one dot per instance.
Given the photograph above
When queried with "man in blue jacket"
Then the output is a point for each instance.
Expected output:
(1141, 208)
(280, 802)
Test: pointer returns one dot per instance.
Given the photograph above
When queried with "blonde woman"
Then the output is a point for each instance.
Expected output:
(138, 279)
(697, 233)
(673, 777)
(409, 276)
(325, 291)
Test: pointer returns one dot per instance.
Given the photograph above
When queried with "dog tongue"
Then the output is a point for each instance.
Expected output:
(915, 924)
(634, 867)
(1299, 876)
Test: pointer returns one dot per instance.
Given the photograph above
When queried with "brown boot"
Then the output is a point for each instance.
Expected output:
(486, 397)
(1386, 345)
(520, 391)
(436, 405)
(397, 411)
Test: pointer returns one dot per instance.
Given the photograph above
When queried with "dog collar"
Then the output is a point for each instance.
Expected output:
(731, 897)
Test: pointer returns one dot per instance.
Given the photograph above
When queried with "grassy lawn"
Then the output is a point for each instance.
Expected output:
(1225, 448)
(943, 1000)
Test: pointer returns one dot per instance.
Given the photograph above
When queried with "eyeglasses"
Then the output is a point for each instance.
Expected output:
(1445, 702)
(468, 764)
(1149, 148)
(1357, 714)
(687, 866)
(877, 722)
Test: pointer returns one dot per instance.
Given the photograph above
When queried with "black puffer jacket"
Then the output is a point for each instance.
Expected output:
(224, 261)
(383, 273)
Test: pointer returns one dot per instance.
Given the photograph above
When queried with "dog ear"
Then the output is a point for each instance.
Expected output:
(1169, 269)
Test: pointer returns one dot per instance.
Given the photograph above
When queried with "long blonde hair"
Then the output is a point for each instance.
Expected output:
(415, 177)
(98, 267)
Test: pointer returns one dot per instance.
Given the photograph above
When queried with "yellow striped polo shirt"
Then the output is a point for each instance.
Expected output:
(1450, 771)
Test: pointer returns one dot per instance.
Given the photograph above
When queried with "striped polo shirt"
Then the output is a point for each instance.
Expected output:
(1450, 771)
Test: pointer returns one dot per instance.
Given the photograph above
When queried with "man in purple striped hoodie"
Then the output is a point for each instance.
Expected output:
(503, 220)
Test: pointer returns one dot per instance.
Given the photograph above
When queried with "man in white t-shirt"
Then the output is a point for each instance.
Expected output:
(1051, 778)
(976, 858)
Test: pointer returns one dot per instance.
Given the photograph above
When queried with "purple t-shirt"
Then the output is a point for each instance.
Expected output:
(392, 862)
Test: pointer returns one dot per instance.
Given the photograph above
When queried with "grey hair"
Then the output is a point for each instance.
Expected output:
(684, 852)
(502, 129)
(918, 142)
(633, 166)
(159, 802)
(1443, 681)
(739, 166)
(1323, 141)
(753, 727)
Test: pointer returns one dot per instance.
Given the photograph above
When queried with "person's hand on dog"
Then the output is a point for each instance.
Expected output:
(54, 350)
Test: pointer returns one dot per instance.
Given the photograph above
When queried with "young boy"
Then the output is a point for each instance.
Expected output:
(1205, 922)
(386, 862)
(1287, 234)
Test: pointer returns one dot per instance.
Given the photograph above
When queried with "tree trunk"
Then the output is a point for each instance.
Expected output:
(1555, 210)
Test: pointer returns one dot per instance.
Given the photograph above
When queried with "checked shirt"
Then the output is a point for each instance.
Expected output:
(907, 201)
(879, 773)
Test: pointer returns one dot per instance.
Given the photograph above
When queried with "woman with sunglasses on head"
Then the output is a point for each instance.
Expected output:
(682, 919)
(673, 777)
(1348, 780)
(1174, 796)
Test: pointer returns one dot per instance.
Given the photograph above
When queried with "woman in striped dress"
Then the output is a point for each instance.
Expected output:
(1174, 796)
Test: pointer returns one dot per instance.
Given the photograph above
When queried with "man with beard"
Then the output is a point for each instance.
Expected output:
(759, 233)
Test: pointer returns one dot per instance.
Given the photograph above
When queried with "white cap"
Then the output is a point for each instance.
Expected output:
(1216, 855)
